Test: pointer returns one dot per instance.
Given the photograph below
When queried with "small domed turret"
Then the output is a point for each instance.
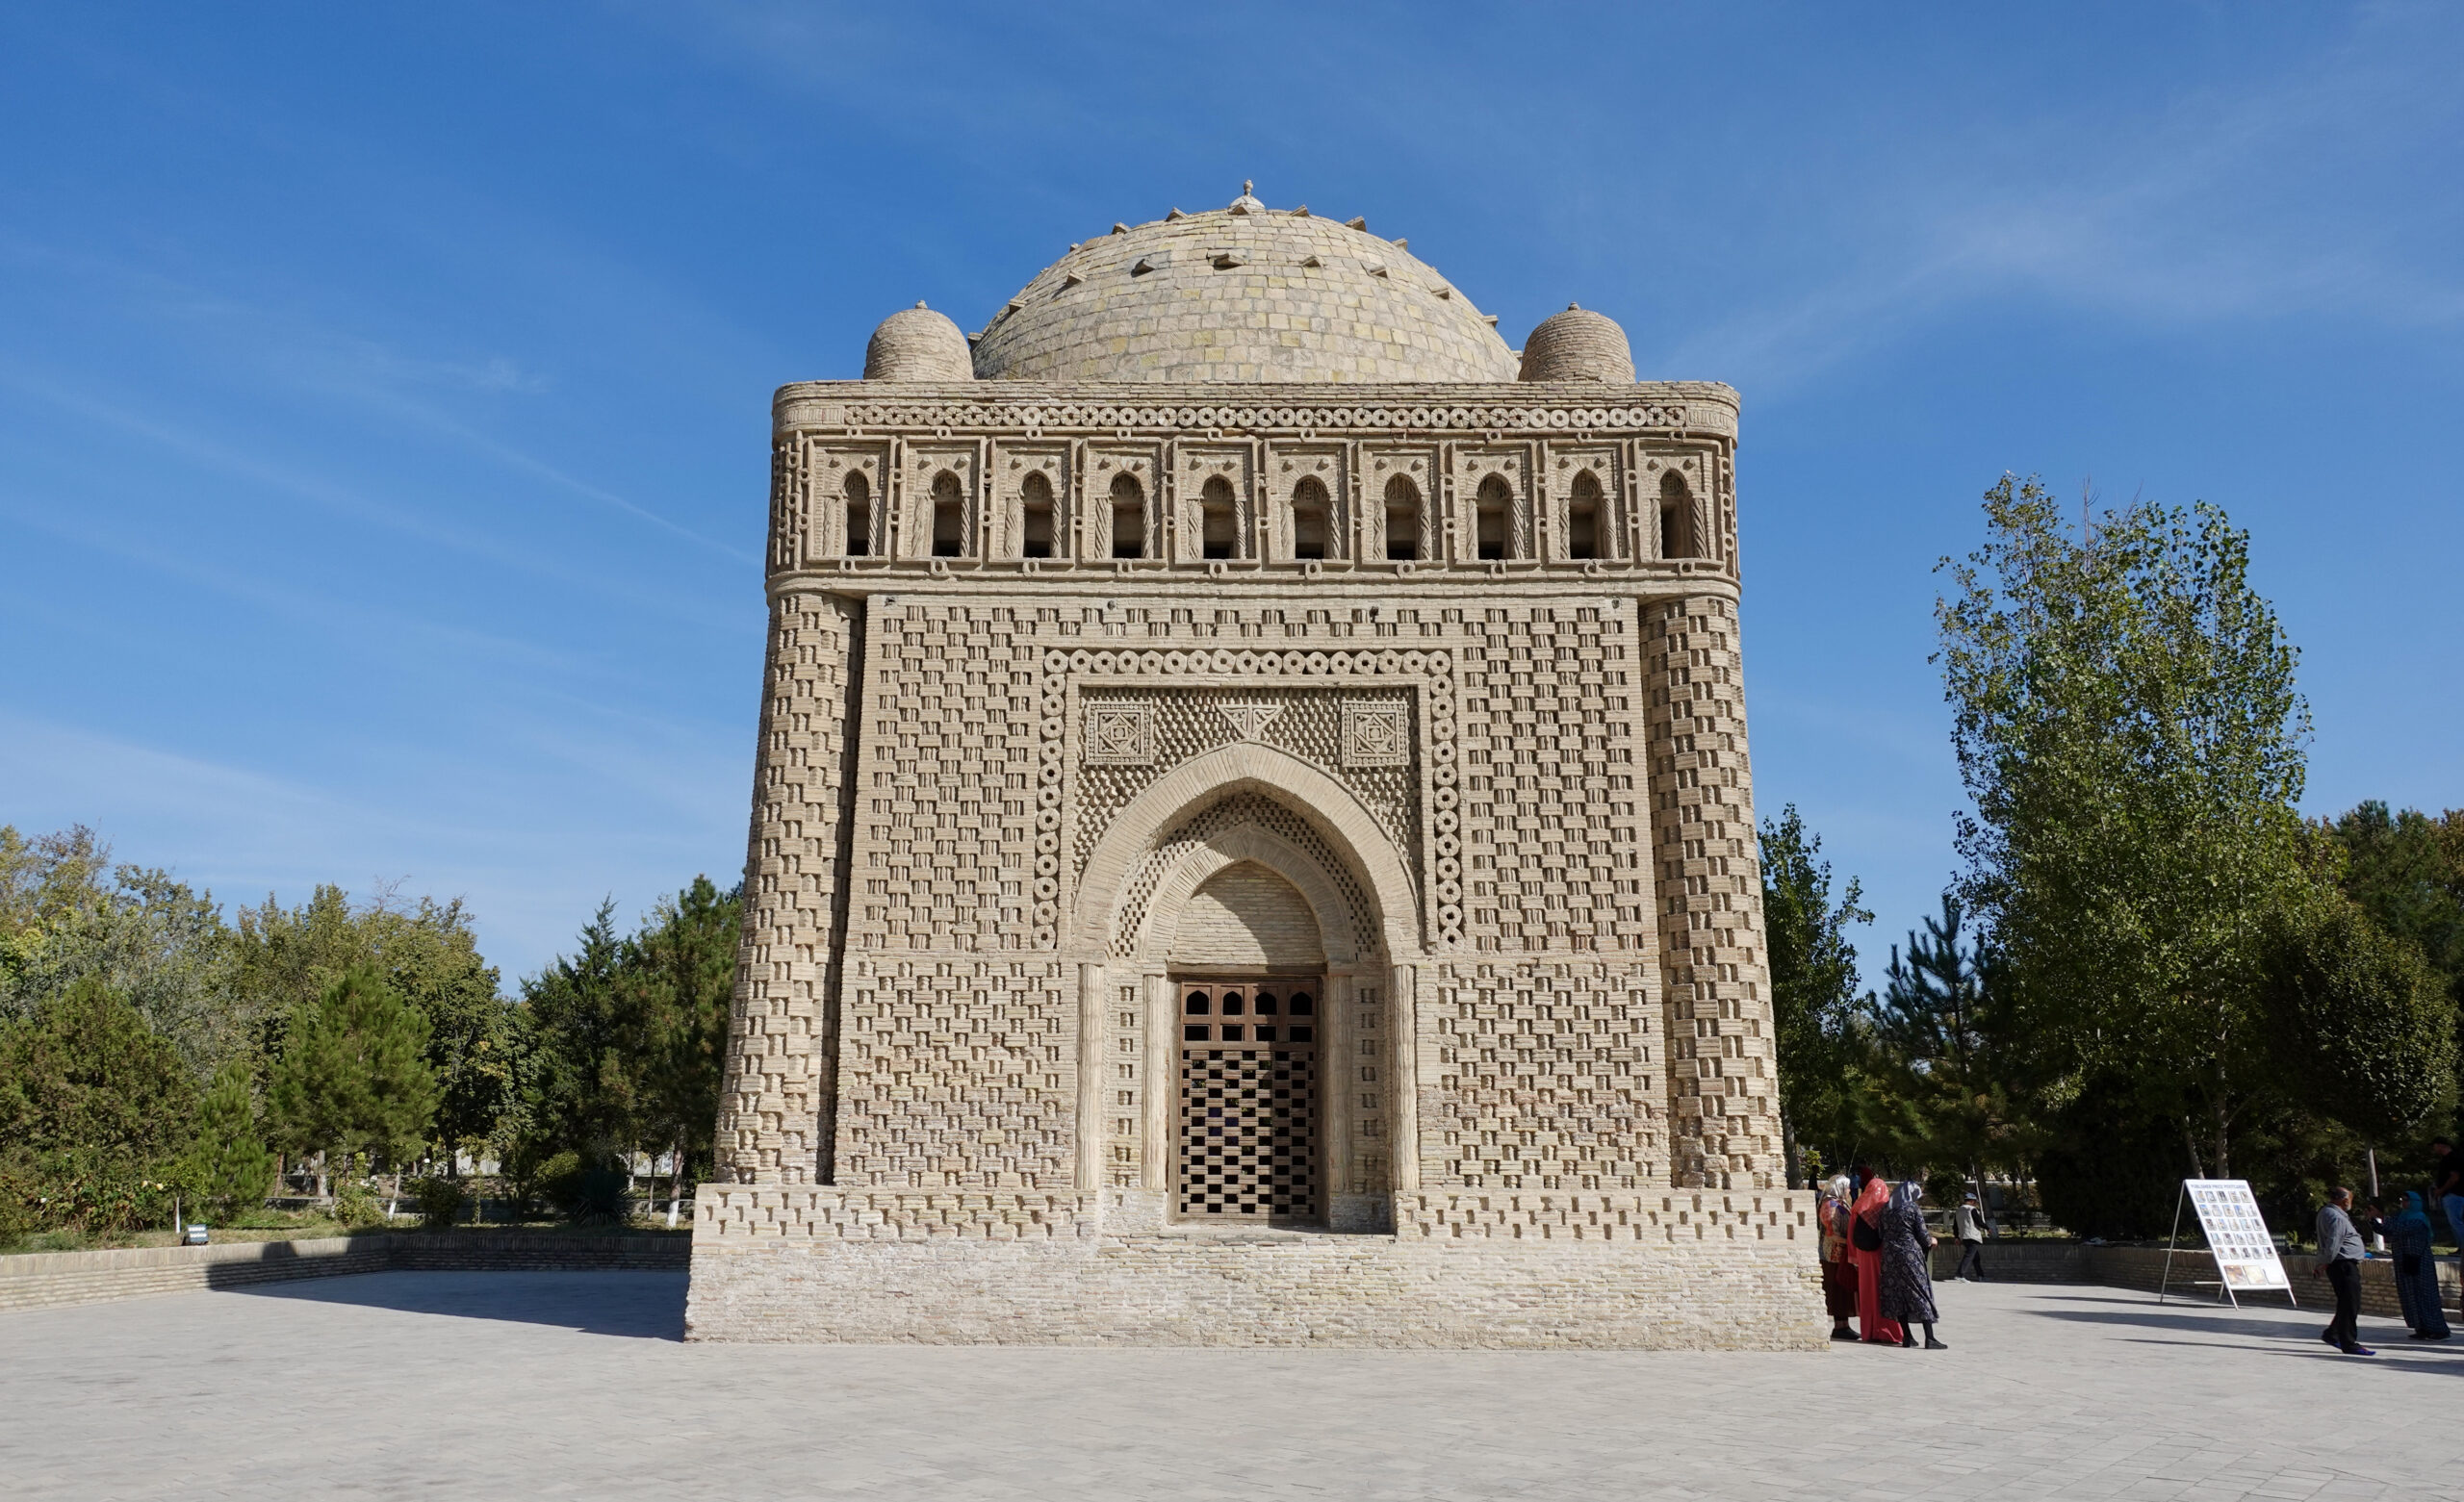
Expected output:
(1577, 345)
(918, 344)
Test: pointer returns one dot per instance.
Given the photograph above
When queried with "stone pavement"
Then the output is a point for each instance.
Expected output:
(542, 1385)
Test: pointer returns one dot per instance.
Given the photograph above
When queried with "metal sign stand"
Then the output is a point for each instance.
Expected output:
(2224, 1289)
(2223, 1285)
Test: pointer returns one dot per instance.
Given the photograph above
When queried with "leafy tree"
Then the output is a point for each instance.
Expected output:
(1814, 992)
(2407, 871)
(229, 1166)
(2128, 726)
(94, 1109)
(2363, 1032)
(353, 1075)
(289, 957)
(68, 912)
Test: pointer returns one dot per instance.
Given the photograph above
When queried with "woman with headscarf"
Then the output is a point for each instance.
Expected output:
(1865, 1250)
(1838, 1274)
(2416, 1270)
(1907, 1270)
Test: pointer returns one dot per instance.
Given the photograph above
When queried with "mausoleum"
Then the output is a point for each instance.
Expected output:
(1252, 839)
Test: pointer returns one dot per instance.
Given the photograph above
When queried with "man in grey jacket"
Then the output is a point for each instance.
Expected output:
(2340, 1259)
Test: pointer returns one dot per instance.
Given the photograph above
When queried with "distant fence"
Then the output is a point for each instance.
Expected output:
(38, 1279)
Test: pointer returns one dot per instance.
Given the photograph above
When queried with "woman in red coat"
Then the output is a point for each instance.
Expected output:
(1865, 1250)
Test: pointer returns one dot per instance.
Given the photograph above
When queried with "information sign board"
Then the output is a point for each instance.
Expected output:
(2237, 1236)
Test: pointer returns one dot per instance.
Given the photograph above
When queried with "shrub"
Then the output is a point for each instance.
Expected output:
(357, 1202)
(2112, 1169)
(441, 1201)
(590, 1193)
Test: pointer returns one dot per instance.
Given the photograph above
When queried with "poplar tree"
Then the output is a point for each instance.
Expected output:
(2126, 722)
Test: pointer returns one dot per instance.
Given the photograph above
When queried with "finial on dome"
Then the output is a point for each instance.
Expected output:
(1248, 185)
(1246, 203)
(1572, 307)
(920, 302)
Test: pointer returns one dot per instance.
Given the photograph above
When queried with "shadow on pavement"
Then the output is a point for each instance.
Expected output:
(642, 1306)
(2287, 1331)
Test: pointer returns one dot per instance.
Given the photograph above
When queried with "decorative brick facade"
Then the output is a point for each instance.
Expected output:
(1286, 636)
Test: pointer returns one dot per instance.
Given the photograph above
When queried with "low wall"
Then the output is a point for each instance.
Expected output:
(38, 1279)
(2143, 1267)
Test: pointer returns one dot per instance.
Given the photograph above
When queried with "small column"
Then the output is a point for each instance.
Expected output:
(1090, 1078)
(1403, 1067)
(1335, 1085)
(1162, 1081)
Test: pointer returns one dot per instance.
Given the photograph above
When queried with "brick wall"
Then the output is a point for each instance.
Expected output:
(38, 1279)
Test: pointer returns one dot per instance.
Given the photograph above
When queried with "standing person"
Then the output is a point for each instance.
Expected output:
(1968, 1222)
(2447, 1184)
(1865, 1250)
(1838, 1273)
(2416, 1270)
(2340, 1258)
(1908, 1270)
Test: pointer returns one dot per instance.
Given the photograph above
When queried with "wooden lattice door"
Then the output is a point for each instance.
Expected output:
(1248, 1127)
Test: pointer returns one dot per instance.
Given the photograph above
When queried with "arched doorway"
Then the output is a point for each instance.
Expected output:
(1248, 977)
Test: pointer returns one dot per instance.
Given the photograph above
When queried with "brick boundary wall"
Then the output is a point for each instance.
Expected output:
(40, 1280)
(2142, 1269)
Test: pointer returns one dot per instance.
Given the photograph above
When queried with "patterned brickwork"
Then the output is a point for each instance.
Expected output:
(1363, 1073)
(1306, 722)
(958, 1074)
(1232, 813)
(1664, 1218)
(1722, 1083)
(947, 797)
(1540, 1076)
(1552, 810)
(777, 1087)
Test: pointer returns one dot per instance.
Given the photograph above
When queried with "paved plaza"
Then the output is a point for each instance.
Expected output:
(506, 1385)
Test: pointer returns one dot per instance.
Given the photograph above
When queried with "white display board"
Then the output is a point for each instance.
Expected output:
(2237, 1236)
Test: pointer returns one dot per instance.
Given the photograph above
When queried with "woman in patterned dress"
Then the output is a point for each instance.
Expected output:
(1838, 1274)
(1907, 1270)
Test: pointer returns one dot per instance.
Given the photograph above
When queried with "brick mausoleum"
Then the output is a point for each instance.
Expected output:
(1252, 836)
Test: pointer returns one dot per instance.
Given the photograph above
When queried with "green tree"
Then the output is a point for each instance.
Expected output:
(2407, 871)
(94, 1106)
(1944, 1019)
(229, 1166)
(68, 912)
(683, 961)
(2125, 721)
(1813, 993)
(429, 954)
(2363, 1031)
(584, 1080)
(353, 1075)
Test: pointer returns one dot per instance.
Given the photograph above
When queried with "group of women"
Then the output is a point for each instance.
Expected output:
(1877, 1261)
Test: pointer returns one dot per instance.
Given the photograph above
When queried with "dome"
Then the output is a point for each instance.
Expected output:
(1577, 346)
(1241, 294)
(917, 344)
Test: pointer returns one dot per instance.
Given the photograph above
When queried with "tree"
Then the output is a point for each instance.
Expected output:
(94, 1108)
(229, 1165)
(1814, 991)
(429, 954)
(1945, 1019)
(2363, 1031)
(585, 1068)
(2128, 726)
(684, 960)
(353, 1075)
(68, 912)
(2407, 871)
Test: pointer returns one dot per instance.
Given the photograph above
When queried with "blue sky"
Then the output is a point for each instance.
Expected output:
(384, 388)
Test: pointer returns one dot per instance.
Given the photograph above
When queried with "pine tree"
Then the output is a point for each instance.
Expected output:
(230, 1165)
(354, 1077)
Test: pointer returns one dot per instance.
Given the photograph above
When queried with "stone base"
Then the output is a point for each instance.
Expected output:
(1680, 1270)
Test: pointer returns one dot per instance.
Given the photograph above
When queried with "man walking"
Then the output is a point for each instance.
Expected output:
(2340, 1258)
(1967, 1222)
